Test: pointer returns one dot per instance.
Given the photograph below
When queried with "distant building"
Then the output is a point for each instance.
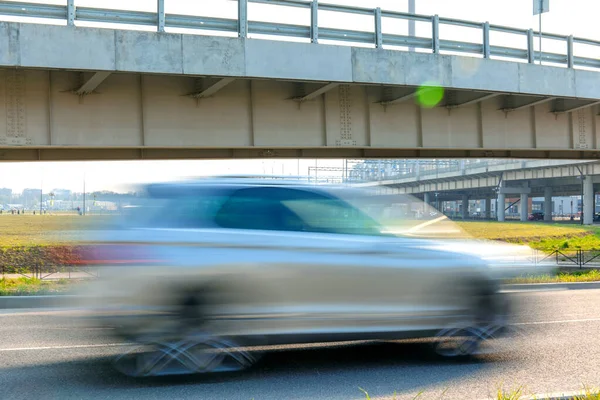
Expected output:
(31, 197)
(62, 194)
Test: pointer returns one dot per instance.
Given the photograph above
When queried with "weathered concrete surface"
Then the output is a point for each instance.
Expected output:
(61, 47)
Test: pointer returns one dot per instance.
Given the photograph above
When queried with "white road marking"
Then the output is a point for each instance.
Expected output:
(564, 321)
(80, 346)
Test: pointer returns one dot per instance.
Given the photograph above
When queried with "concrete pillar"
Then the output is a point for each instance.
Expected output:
(548, 203)
(427, 198)
(524, 207)
(588, 201)
(426, 202)
(501, 207)
(465, 206)
(488, 208)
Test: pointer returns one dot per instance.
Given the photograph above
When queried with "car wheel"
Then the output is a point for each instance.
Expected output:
(488, 322)
(185, 347)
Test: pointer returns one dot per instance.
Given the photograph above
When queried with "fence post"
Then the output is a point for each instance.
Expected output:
(160, 15)
(243, 18)
(435, 34)
(530, 49)
(486, 40)
(70, 12)
(314, 22)
(570, 60)
(378, 32)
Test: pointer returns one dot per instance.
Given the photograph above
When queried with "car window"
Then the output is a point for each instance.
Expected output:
(257, 208)
(284, 209)
(184, 212)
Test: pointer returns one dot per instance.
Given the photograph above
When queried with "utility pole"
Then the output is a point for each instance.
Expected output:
(83, 210)
(41, 196)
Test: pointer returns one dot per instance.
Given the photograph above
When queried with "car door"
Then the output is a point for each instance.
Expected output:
(328, 274)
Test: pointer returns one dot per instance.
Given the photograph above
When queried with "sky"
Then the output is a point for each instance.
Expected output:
(577, 17)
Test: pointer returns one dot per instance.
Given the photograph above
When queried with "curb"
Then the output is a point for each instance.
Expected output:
(551, 286)
(56, 301)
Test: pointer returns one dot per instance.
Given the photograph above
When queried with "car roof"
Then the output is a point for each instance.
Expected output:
(235, 182)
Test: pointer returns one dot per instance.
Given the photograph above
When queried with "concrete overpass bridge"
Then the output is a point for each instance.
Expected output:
(498, 180)
(74, 92)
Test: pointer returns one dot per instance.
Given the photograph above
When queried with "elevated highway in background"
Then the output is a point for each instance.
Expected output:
(71, 92)
(498, 179)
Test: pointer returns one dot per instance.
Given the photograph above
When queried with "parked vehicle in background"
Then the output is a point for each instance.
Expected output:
(536, 216)
(200, 268)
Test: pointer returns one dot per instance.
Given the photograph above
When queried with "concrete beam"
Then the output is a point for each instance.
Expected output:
(509, 108)
(400, 99)
(474, 101)
(318, 92)
(212, 89)
(42, 46)
(579, 107)
(92, 83)
(514, 190)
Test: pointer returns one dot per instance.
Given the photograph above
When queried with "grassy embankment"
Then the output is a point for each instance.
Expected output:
(28, 242)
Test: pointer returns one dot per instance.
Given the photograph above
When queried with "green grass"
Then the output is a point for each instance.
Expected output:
(31, 286)
(543, 237)
(38, 230)
(561, 277)
(501, 394)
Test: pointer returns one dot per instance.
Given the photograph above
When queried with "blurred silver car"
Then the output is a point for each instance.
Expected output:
(200, 271)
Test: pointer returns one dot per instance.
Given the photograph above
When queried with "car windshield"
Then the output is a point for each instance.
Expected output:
(402, 214)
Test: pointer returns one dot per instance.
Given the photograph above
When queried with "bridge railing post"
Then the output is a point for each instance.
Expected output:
(71, 12)
(435, 34)
(530, 49)
(160, 15)
(314, 21)
(243, 18)
(486, 40)
(378, 30)
(570, 61)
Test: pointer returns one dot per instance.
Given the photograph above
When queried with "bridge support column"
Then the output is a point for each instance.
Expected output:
(426, 202)
(427, 198)
(588, 201)
(548, 204)
(500, 209)
(488, 208)
(524, 207)
(465, 206)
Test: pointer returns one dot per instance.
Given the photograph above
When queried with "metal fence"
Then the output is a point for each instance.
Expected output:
(46, 272)
(571, 258)
(562, 258)
(243, 27)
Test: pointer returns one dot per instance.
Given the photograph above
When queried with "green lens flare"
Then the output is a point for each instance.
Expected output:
(429, 95)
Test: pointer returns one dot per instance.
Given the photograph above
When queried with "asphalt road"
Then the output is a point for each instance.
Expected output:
(557, 348)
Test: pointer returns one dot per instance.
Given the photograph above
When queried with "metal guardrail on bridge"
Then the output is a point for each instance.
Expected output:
(241, 25)
(438, 168)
